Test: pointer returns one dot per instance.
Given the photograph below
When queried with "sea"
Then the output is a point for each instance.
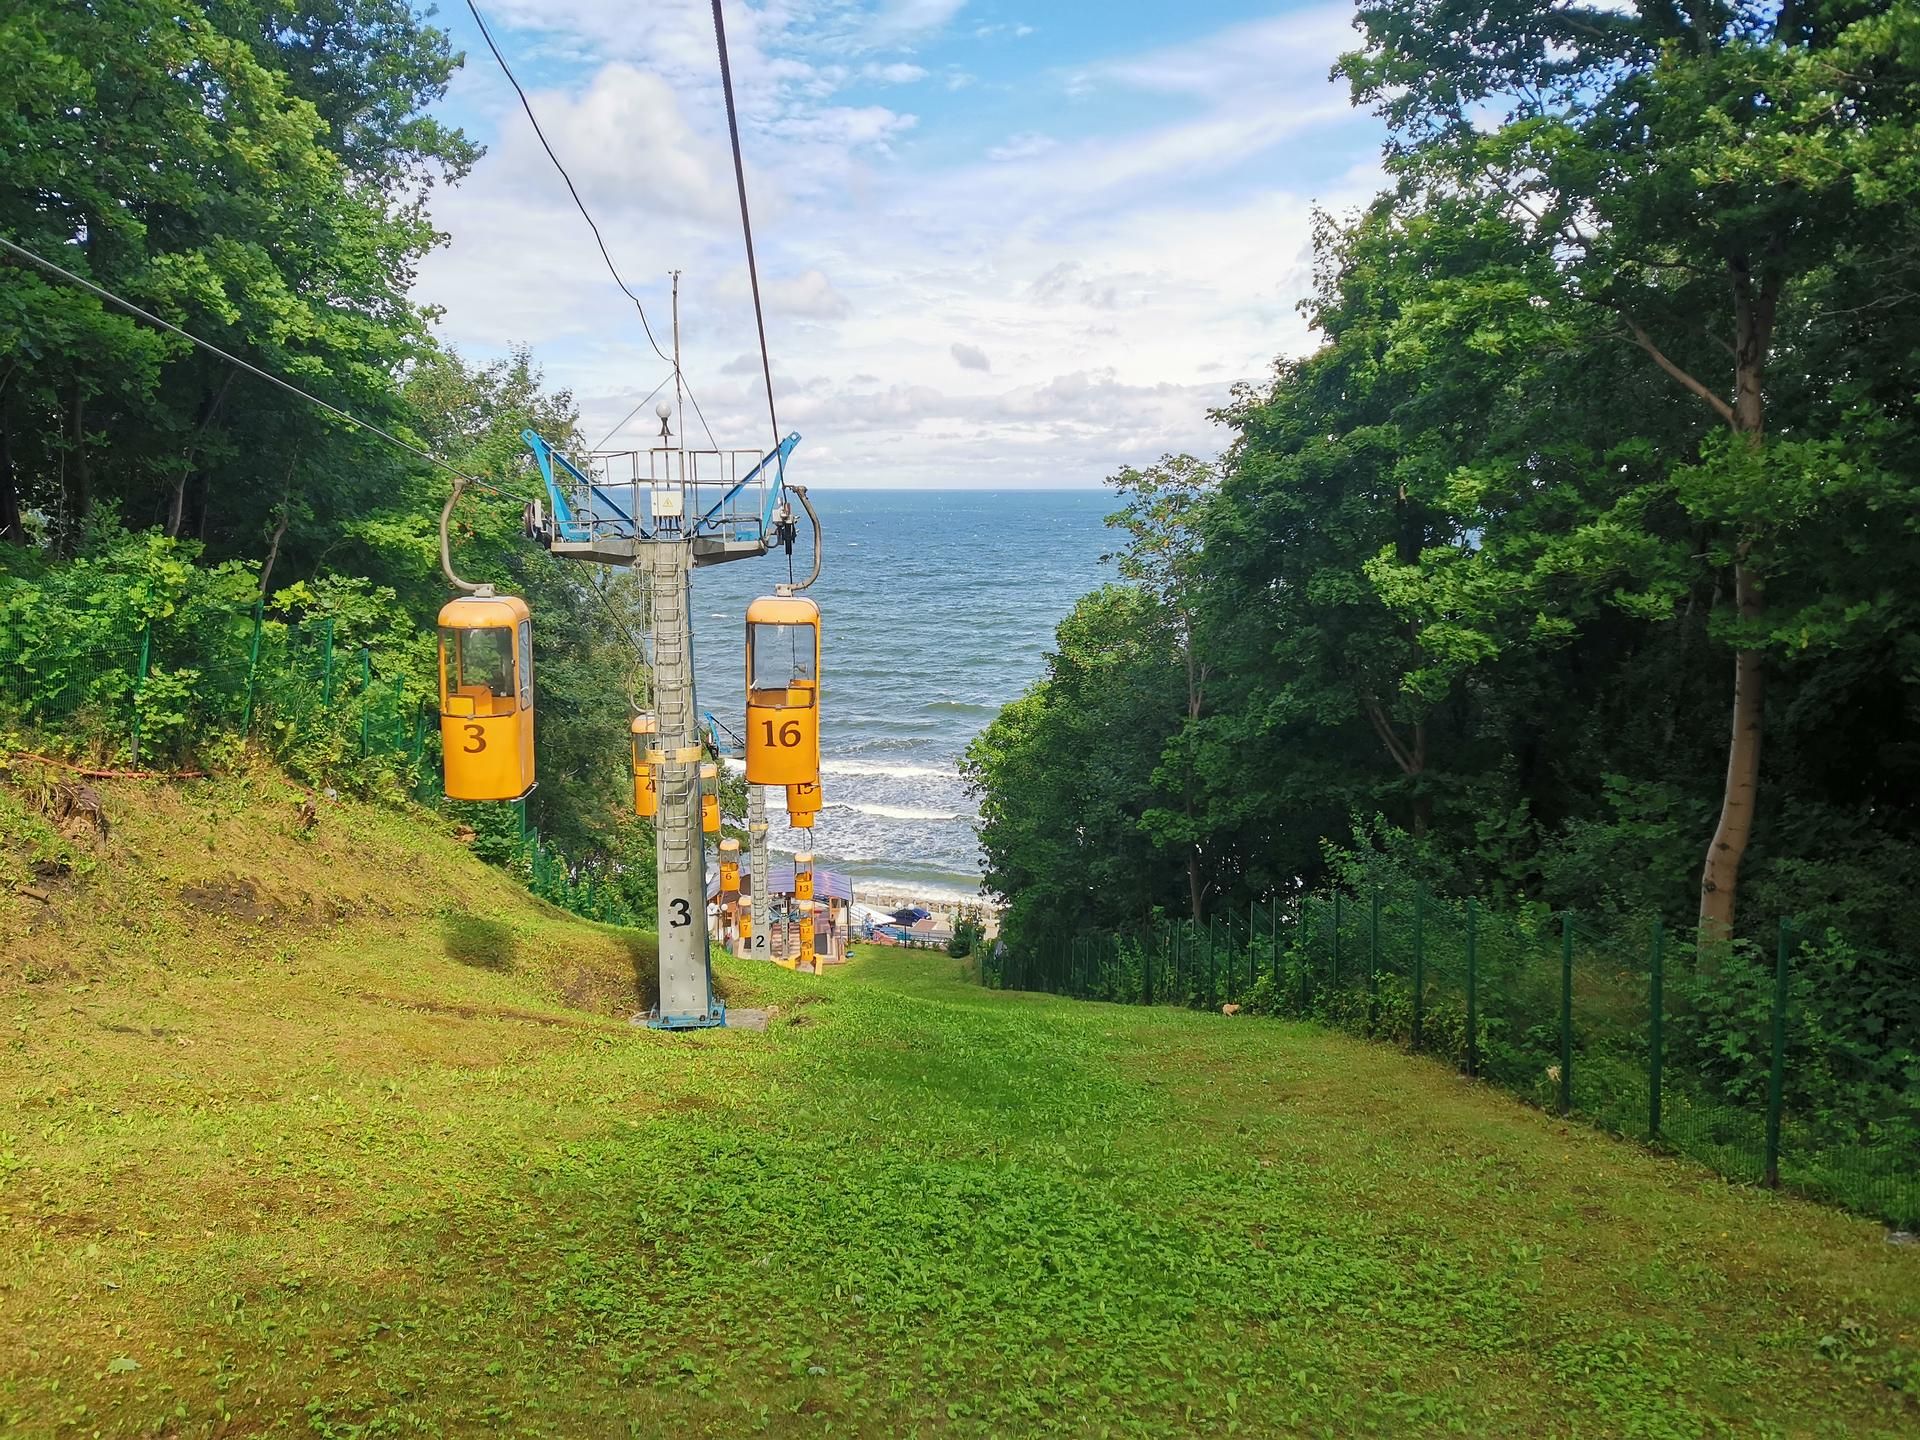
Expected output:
(937, 608)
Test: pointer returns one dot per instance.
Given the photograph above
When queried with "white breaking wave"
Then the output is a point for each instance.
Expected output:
(875, 767)
(893, 812)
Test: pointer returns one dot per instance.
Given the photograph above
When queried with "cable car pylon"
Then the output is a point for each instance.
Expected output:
(667, 511)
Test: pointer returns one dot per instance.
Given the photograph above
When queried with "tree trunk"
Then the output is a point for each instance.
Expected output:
(1412, 762)
(280, 530)
(1720, 879)
(1753, 308)
(1196, 892)
(11, 526)
(1422, 801)
(80, 494)
(209, 409)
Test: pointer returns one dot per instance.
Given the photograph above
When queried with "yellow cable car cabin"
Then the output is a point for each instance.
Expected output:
(783, 691)
(486, 697)
(646, 788)
(710, 799)
(803, 803)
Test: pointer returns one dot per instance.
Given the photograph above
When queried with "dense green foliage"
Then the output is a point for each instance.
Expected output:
(1612, 431)
(1483, 563)
(258, 173)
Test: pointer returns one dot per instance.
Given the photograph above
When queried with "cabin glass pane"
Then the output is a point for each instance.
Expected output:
(479, 662)
(782, 655)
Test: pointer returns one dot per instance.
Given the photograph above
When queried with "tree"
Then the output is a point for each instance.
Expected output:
(1680, 163)
(1161, 519)
(155, 153)
(1066, 773)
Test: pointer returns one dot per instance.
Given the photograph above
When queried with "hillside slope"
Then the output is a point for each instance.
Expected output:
(336, 1132)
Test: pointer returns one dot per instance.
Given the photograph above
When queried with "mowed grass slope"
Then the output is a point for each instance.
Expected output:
(407, 1170)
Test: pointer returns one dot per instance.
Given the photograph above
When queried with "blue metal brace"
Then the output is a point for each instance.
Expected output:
(565, 525)
(731, 745)
(777, 458)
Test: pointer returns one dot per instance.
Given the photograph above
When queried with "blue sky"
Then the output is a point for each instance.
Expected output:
(1001, 243)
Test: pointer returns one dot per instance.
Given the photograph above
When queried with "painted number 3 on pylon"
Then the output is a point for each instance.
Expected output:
(682, 914)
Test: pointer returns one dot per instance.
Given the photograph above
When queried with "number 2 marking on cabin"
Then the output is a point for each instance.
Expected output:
(682, 915)
(478, 737)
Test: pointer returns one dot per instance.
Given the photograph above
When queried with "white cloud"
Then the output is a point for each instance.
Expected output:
(626, 142)
(1024, 146)
(809, 293)
(912, 17)
(898, 73)
(1059, 305)
(1261, 56)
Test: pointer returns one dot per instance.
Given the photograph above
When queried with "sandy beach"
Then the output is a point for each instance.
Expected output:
(945, 904)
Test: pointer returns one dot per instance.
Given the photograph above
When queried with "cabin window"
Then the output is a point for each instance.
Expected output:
(782, 656)
(479, 661)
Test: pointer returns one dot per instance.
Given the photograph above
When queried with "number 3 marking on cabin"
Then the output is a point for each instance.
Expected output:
(478, 737)
(682, 915)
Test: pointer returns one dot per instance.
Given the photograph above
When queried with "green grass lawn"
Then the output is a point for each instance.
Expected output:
(409, 1176)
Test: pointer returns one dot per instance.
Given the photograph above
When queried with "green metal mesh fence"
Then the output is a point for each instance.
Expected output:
(1725, 1053)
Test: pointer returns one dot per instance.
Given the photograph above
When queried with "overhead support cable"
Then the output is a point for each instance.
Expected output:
(579, 204)
(759, 312)
(631, 413)
(746, 221)
(212, 349)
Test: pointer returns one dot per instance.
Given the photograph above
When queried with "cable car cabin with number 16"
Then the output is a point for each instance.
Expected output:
(783, 691)
(486, 697)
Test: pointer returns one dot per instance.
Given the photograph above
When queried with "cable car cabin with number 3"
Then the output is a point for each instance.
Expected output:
(783, 691)
(486, 697)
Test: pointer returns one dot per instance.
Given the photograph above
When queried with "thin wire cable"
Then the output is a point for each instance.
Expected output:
(579, 204)
(638, 649)
(701, 416)
(631, 413)
(250, 368)
(746, 221)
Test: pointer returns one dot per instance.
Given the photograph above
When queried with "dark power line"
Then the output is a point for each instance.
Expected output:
(579, 204)
(249, 367)
(746, 222)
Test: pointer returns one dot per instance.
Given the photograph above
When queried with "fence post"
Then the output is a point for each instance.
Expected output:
(1273, 942)
(1253, 976)
(1566, 1012)
(1303, 946)
(1473, 991)
(1419, 962)
(326, 668)
(366, 692)
(1213, 951)
(1336, 939)
(1777, 1075)
(253, 664)
(1656, 1028)
(140, 683)
(1146, 969)
(1373, 967)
